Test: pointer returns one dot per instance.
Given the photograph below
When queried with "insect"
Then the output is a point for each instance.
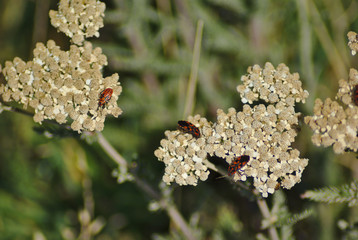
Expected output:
(355, 95)
(278, 185)
(104, 97)
(237, 164)
(188, 127)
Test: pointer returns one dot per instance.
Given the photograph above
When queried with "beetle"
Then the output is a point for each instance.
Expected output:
(104, 97)
(237, 164)
(188, 127)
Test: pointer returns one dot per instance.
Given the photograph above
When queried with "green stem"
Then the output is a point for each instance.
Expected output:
(266, 214)
(334, 57)
(190, 97)
(170, 208)
(109, 149)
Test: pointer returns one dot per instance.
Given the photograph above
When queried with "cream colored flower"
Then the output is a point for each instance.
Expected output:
(184, 155)
(63, 85)
(334, 123)
(353, 42)
(264, 133)
(271, 85)
(78, 19)
(254, 132)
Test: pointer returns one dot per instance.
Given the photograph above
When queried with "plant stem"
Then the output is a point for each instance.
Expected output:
(14, 109)
(336, 60)
(170, 208)
(109, 149)
(190, 97)
(266, 214)
(4, 107)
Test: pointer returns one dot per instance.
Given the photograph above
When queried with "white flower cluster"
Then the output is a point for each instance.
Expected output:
(184, 155)
(271, 85)
(264, 133)
(353, 42)
(334, 123)
(61, 84)
(78, 19)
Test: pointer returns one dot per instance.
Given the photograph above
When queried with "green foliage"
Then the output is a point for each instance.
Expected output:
(225, 226)
(228, 225)
(150, 43)
(282, 218)
(346, 193)
(294, 218)
(350, 230)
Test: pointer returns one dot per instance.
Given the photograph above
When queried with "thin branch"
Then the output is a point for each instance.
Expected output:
(88, 201)
(336, 60)
(14, 109)
(173, 213)
(190, 97)
(179, 221)
(266, 214)
(147, 188)
(306, 47)
(4, 107)
(107, 147)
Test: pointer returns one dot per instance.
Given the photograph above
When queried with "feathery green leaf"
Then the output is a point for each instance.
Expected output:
(344, 194)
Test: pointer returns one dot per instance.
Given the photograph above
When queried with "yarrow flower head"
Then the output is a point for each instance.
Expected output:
(334, 123)
(63, 84)
(263, 133)
(353, 42)
(78, 19)
(271, 85)
(184, 155)
(67, 85)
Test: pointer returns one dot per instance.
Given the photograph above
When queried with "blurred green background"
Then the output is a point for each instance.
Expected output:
(43, 182)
